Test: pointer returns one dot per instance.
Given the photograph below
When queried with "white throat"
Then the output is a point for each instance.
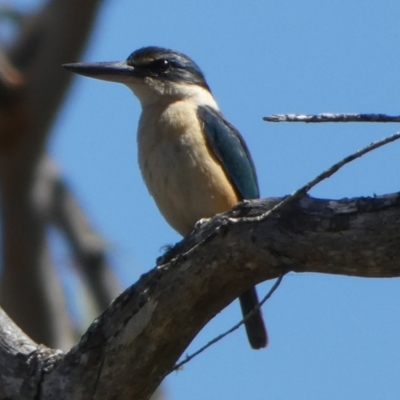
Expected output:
(151, 91)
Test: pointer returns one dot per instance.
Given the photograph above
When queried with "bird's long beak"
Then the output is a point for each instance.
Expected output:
(117, 71)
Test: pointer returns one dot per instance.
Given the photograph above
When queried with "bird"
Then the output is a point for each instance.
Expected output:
(194, 163)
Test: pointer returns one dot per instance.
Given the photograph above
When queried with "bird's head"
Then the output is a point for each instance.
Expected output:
(151, 72)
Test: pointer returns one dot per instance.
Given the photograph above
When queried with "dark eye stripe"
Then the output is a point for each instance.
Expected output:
(159, 66)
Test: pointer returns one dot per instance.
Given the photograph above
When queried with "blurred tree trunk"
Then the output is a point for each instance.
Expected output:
(33, 195)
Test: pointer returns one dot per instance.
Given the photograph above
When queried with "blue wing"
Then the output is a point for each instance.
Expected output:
(231, 150)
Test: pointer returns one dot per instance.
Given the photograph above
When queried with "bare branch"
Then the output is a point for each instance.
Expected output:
(168, 306)
(22, 361)
(324, 175)
(331, 117)
(234, 328)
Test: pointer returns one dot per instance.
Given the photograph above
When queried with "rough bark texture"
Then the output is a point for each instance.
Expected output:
(128, 350)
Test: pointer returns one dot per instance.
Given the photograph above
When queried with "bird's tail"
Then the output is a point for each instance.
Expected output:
(255, 327)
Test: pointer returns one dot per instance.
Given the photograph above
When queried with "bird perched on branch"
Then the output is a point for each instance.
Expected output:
(194, 162)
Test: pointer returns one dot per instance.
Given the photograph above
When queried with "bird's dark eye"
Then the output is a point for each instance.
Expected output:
(159, 66)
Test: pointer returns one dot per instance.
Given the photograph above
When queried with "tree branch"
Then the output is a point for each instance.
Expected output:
(168, 306)
(331, 117)
(325, 175)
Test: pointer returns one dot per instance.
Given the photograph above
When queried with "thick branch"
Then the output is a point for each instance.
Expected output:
(22, 362)
(132, 346)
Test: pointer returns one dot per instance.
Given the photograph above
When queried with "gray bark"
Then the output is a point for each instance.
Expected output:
(135, 343)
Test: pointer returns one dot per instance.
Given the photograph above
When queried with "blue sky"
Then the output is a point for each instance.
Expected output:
(330, 337)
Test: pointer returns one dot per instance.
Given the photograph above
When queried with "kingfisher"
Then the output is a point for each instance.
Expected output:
(194, 162)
